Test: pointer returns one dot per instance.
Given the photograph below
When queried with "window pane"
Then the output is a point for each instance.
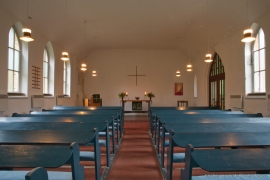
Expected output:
(45, 69)
(16, 45)
(262, 59)
(16, 82)
(256, 82)
(45, 57)
(256, 43)
(17, 61)
(10, 81)
(261, 38)
(64, 88)
(262, 81)
(10, 59)
(11, 38)
(45, 85)
(256, 61)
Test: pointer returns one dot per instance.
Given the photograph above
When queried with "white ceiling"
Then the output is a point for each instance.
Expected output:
(139, 24)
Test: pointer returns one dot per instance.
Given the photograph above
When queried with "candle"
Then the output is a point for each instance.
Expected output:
(126, 93)
(145, 93)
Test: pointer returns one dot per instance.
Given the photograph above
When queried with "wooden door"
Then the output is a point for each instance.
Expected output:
(217, 83)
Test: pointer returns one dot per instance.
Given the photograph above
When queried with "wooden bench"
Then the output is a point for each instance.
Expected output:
(47, 156)
(69, 118)
(199, 119)
(53, 137)
(105, 114)
(209, 128)
(166, 113)
(227, 160)
(186, 117)
(74, 126)
(118, 109)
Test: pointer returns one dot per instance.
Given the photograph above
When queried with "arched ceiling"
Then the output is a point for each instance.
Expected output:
(138, 24)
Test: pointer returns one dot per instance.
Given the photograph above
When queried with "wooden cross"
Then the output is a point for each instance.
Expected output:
(136, 75)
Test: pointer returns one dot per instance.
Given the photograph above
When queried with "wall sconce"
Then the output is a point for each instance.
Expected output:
(177, 74)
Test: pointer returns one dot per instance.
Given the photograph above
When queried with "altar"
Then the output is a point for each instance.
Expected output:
(137, 106)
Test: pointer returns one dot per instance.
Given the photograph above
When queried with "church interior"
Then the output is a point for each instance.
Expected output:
(136, 57)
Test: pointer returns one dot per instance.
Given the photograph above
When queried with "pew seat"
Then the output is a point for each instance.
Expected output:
(26, 175)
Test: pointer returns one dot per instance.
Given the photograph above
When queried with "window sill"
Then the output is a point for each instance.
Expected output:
(48, 96)
(17, 96)
(256, 96)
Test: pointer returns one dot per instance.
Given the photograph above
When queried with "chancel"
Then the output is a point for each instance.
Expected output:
(139, 111)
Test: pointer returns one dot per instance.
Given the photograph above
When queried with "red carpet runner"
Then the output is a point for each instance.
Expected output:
(136, 157)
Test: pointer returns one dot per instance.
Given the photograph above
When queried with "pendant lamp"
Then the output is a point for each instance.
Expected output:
(208, 56)
(177, 73)
(27, 32)
(65, 54)
(248, 32)
(83, 66)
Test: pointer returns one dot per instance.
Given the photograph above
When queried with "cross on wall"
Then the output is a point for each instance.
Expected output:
(136, 75)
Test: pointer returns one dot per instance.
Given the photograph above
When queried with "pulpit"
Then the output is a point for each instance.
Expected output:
(95, 100)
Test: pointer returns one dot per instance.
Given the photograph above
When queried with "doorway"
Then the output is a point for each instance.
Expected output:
(217, 83)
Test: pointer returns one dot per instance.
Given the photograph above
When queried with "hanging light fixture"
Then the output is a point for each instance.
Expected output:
(94, 72)
(208, 56)
(26, 32)
(178, 73)
(65, 54)
(83, 66)
(189, 65)
(248, 32)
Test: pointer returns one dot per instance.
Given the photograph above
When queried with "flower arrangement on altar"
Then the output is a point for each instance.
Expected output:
(121, 95)
(150, 95)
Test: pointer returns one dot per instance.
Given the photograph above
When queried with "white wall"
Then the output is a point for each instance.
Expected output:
(158, 66)
(231, 51)
(35, 50)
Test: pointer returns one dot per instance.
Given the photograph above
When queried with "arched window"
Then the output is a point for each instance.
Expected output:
(258, 63)
(65, 78)
(46, 65)
(14, 58)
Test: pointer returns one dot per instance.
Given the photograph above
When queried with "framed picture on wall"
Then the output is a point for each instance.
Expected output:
(178, 89)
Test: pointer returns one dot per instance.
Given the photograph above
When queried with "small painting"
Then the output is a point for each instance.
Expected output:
(178, 89)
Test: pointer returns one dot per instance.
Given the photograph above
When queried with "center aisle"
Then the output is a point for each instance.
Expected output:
(136, 157)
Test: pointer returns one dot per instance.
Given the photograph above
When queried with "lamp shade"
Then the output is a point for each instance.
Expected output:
(83, 67)
(248, 36)
(26, 35)
(208, 58)
(65, 56)
(177, 74)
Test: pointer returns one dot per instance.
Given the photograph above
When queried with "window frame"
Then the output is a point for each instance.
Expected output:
(46, 93)
(260, 49)
(19, 61)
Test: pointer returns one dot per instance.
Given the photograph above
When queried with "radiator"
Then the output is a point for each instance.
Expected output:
(236, 101)
(37, 101)
(60, 100)
(3, 102)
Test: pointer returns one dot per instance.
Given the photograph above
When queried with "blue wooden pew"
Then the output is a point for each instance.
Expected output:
(207, 128)
(202, 119)
(74, 126)
(113, 114)
(47, 156)
(221, 160)
(119, 108)
(158, 113)
(56, 136)
(70, 118)
(199, 115)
